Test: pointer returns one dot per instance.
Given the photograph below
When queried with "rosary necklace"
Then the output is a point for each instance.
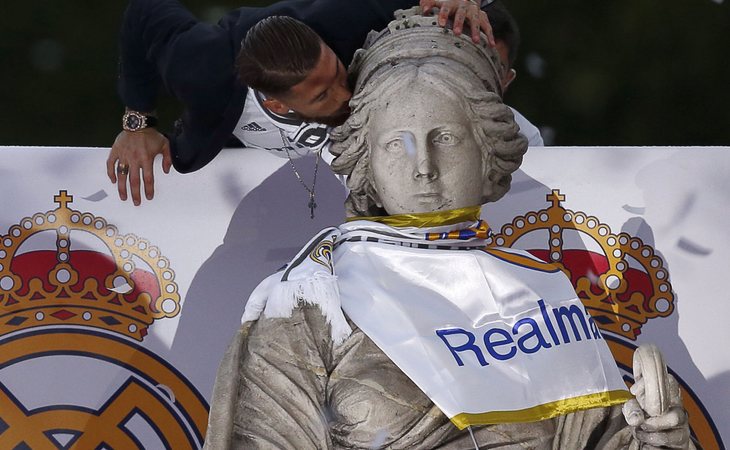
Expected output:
(312, 204)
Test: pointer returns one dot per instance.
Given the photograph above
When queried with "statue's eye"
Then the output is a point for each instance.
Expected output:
(446, 138)
(395, 145)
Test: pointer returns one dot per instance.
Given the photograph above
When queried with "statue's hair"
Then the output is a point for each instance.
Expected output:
(495, 130)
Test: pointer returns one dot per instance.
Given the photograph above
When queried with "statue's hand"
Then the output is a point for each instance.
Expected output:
(657, 417)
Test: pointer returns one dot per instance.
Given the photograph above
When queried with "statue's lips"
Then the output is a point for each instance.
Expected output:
(429, 201)
(428, 195)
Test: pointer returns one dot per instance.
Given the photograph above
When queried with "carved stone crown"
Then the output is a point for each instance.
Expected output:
(623, 286)
(412, 36)
(83, 287)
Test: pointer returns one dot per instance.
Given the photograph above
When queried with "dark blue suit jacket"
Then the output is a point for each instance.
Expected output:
(163, 44)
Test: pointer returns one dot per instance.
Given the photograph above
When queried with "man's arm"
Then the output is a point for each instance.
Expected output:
(155, 49)
(148, 30)
(161, 43)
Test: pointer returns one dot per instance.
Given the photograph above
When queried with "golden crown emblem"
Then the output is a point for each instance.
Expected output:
(83, 288)
(625, 283)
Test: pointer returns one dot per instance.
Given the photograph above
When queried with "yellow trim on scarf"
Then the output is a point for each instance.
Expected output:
(522, 260)
(544, 411)
(429, 219)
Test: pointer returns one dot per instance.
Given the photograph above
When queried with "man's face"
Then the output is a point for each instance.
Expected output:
(324, 95)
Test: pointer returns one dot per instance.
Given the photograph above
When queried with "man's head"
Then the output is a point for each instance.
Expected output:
(507, 36)
(288, 62)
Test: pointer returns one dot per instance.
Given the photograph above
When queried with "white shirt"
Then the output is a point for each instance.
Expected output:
(260, 128)
(528, 130)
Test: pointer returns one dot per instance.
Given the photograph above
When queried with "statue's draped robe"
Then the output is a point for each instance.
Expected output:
(283, 384)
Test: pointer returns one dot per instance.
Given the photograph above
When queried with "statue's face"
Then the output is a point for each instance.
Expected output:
(423, 154)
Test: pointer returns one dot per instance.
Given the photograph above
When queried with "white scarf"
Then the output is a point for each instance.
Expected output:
(490, 335)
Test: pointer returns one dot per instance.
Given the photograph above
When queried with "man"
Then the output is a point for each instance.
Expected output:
(163, 44)
(507, 37)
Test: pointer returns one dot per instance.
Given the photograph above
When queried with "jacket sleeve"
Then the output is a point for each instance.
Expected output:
(148, 29)
(162, 45)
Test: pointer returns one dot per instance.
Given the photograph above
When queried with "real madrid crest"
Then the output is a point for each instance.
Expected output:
(621, 281)
(72, 371)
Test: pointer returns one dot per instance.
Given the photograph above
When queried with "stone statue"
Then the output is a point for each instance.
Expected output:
(427, 143)
(395, 90)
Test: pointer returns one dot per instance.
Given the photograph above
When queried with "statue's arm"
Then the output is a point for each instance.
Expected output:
(656, 416)
(270, 389)
(654, 419)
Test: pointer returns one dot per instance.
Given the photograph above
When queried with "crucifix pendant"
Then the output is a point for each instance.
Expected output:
(311, 205)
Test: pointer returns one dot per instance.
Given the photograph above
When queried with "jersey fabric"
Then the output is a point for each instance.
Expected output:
(283, 136)
(528, 130)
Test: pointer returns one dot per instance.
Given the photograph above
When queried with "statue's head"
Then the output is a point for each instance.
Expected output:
(428, 130)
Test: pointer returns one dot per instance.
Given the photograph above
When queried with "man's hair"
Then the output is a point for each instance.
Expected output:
(495, 132)
(276, 54)
(504, 28)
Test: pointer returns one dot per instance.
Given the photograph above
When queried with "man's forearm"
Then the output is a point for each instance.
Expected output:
(147, 31)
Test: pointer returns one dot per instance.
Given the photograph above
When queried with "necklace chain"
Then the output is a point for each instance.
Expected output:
(312, 204)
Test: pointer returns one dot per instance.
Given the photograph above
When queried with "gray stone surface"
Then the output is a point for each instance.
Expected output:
(417, 87)
(428, 133)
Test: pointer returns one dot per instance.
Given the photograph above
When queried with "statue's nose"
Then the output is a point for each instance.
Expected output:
(425, 166)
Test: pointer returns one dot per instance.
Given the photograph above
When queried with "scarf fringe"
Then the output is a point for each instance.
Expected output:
(310, 283)
(283, 296)
(257, 300)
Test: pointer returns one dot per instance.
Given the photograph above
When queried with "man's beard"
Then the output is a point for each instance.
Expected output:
(334, 120)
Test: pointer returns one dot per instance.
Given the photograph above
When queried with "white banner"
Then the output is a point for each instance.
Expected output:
(113, 318)
(498, 338)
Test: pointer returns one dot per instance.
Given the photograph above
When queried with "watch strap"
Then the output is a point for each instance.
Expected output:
(151, 121)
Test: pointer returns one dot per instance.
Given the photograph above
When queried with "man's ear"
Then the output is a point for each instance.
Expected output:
(509, 77)
(276, 106)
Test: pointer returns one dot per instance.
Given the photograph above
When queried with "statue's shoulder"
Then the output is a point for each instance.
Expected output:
(303, 322)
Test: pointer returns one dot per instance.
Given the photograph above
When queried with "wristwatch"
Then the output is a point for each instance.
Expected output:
(135, 121)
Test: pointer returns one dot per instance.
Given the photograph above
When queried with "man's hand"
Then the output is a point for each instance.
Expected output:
(462, 10)
(137, 150)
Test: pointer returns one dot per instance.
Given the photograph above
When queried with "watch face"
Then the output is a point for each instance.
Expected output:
(133, 122)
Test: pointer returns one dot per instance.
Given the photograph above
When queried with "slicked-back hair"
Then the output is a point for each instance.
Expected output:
(276, 54)
(504, 28)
